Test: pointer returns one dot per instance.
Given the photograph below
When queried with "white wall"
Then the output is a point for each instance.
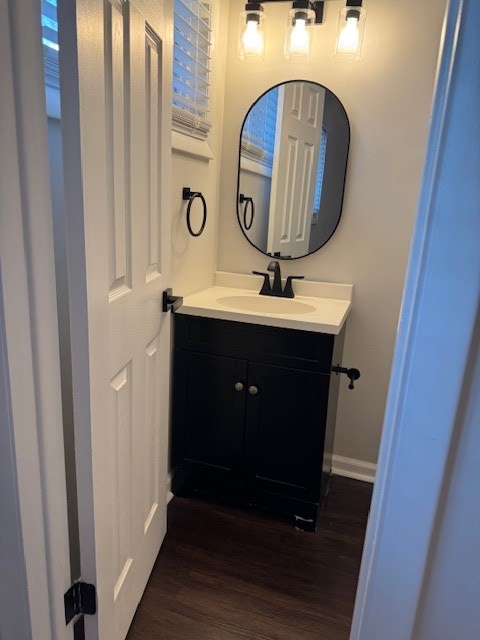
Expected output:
(194, 259)
(387, 96)
(257, 186)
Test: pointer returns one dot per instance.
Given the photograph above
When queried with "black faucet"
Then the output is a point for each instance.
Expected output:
(274, 266)
(276, 290)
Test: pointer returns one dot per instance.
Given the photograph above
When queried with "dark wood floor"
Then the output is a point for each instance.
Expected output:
(226, 573)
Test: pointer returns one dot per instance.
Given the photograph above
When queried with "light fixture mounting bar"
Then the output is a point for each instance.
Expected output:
(353, 8)
(318, 8)
(253, 7)
(315, 6)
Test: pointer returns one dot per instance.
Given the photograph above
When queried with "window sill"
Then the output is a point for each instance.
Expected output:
(191, 146)
(255, 167)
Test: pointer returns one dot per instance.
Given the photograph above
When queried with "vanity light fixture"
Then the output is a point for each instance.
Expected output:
(301, 17)
(351, 25)
(251, 41)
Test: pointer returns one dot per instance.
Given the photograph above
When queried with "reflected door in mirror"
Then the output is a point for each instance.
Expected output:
(297, 146)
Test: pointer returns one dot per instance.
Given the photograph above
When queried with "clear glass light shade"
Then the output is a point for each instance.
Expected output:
(251, 36)
(299, 34)
(351, 25)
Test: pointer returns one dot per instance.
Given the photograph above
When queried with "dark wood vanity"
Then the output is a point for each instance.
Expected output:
(254, 414)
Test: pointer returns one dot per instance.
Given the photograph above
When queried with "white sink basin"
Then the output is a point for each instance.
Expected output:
(264, 304)
(318, 306)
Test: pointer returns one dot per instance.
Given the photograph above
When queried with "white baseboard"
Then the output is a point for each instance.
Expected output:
(351, 468)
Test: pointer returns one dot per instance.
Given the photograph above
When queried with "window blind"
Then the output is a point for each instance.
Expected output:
(191, 66)
(258, 134)
(50, 41)
(320, 171)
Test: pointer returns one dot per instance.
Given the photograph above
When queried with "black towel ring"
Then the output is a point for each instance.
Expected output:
(190, 196)
(248, 201)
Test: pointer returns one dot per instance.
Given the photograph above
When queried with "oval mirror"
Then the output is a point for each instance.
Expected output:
(291, 169)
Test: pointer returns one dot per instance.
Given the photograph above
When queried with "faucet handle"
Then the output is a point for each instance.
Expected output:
(266, 282)
(273, 265)
(288, 290)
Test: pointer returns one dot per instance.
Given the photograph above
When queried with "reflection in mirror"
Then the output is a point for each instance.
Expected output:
(291, 171)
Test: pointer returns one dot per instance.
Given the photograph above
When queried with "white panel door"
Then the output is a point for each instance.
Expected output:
(116, 122)
(297, 146)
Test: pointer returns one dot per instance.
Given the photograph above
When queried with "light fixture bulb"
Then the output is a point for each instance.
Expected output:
(298, 39)
(351, 26)
(348, 38)
(252, 39)
(251, 33)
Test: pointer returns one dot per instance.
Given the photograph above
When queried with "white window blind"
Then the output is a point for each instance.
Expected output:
(258, 133)
(320, 171)
(191, 66)
(50, 41)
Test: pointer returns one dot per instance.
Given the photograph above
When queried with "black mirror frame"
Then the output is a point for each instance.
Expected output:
(238, 207)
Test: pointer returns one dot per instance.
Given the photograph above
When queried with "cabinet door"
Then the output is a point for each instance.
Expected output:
(209, 412)
(286, 412)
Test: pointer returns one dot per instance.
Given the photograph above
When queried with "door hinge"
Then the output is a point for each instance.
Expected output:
(79, 628)
(80, 598)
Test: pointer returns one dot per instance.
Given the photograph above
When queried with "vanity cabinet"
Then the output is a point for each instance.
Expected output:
(254, 414)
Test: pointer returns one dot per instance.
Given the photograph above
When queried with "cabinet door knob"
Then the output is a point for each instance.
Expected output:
(253, 390)
(239, 386)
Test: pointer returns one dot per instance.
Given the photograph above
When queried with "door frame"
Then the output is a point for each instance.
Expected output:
(28, 331)
(433, 352)
(34, 549)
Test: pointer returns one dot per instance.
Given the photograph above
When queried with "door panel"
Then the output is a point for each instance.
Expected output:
(116, 142)
(210, 412)
(152, 452)
(121, 413)
(152, 73)
(285, 430)
(116, 83)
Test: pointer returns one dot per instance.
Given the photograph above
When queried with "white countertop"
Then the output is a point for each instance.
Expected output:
(324, 310)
